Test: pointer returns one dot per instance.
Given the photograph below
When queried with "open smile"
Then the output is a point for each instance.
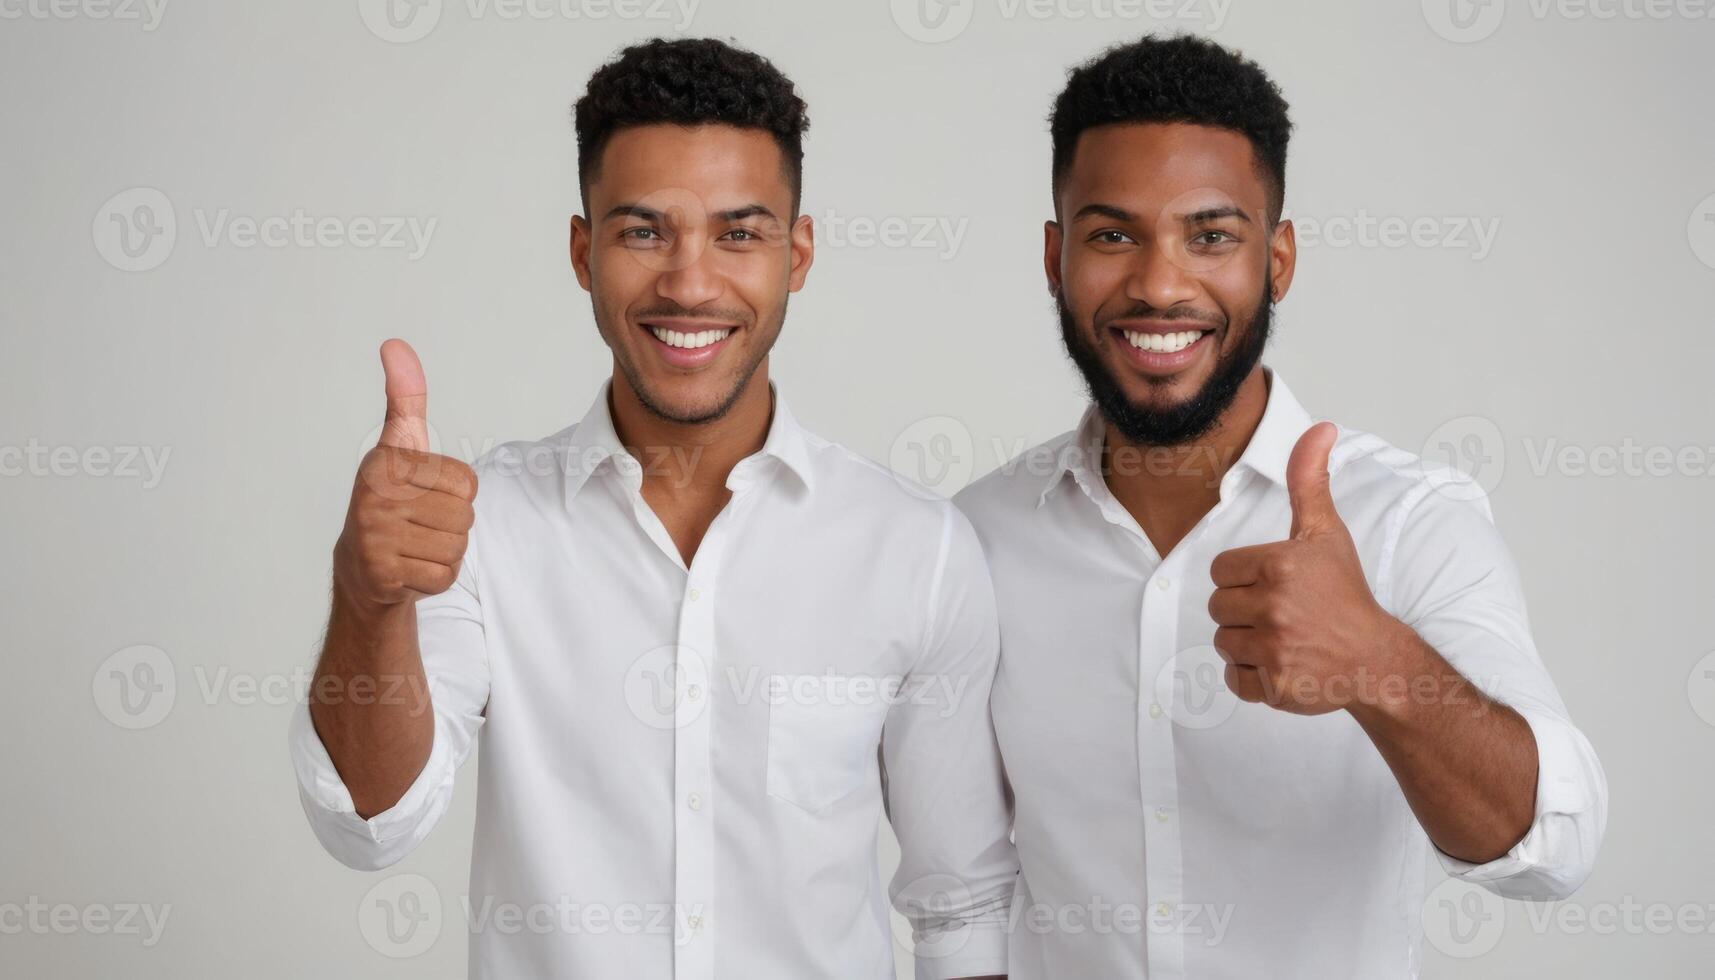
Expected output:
(688, 343)
(1158, 351)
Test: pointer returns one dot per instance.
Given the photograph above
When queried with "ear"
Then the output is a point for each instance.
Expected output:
(580, 247)
(1051, 238)
(1283, 256)
(803, 251)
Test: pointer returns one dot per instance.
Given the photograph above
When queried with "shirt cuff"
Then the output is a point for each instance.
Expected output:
(1570, 809)
(329, 802)
(972, 950)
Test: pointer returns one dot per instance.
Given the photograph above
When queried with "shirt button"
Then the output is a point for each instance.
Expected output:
(1155, 711)
(695, 595)
(693, 692)
(1161, 814)
(694, 801)
(1164, 583)
(695, 922)
(1162, 910)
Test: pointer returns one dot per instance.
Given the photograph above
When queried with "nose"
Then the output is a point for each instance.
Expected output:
(1159, 277)
(693, 280)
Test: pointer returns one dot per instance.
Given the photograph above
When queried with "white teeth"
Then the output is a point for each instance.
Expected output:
(1163, 343)
(690, 341)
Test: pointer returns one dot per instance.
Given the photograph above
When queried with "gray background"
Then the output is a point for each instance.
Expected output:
(1580, 141)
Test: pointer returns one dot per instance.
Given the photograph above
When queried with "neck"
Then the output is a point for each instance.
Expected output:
(691, 458)
(1168, 489)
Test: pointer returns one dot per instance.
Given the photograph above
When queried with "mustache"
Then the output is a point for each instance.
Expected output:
(1143, 311)
(674, 310)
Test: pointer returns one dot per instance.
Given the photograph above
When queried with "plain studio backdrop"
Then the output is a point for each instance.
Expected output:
(213, 212)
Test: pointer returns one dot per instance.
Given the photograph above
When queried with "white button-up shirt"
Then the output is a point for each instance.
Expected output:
(1167, 829)
(683, 768)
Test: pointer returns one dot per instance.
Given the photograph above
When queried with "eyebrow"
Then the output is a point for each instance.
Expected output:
(1216, 214)
(1203, 216)
(748, 211)
(634, 210)
(1103, 211)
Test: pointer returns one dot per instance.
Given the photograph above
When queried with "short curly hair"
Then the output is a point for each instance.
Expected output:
(689, 82)
(1177, 79)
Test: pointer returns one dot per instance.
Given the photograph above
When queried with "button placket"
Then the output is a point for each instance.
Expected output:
(693, 827)
(1158, 630)
(693, 774)
(693, 823)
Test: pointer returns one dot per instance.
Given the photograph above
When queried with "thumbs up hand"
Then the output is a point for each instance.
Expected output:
(1296, 621)
(410, 515)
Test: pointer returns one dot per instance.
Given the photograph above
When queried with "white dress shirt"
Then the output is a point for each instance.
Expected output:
(683, 769)
(1167, 829)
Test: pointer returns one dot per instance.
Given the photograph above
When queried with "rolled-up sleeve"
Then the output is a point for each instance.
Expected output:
(946, 793)
(1456, 584)
(450, 638)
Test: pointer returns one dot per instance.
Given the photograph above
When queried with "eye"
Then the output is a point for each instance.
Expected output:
(1111, 236)
(742, 235)
(1209, 239)
(641, 233)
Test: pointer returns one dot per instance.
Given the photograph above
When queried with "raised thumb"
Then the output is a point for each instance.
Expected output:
(407, 425)
(1307, 480)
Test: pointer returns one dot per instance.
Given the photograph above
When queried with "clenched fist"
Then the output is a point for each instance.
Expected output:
(410, 516)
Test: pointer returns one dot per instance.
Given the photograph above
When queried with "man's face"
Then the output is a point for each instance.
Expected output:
(1163, 264)
(689, 250)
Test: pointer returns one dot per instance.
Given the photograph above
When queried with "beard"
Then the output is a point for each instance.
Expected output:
(1196, 416)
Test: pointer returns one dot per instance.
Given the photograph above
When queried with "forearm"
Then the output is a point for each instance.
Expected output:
(1466, 763)
(370, 703)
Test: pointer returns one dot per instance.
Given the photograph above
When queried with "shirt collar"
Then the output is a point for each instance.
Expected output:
(1283, 421)
(595, 443)
(787, 441)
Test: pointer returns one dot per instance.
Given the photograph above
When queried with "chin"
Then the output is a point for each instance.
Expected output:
(688, 401)
(1164, 390)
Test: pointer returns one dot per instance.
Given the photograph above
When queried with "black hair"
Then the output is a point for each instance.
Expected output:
(1178, 79)
(689, 82)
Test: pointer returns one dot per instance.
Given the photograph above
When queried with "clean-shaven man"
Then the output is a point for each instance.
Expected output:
(706, 649)
(1252, 668)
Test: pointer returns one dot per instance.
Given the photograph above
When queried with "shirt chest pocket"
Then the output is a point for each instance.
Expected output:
(823, 735)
